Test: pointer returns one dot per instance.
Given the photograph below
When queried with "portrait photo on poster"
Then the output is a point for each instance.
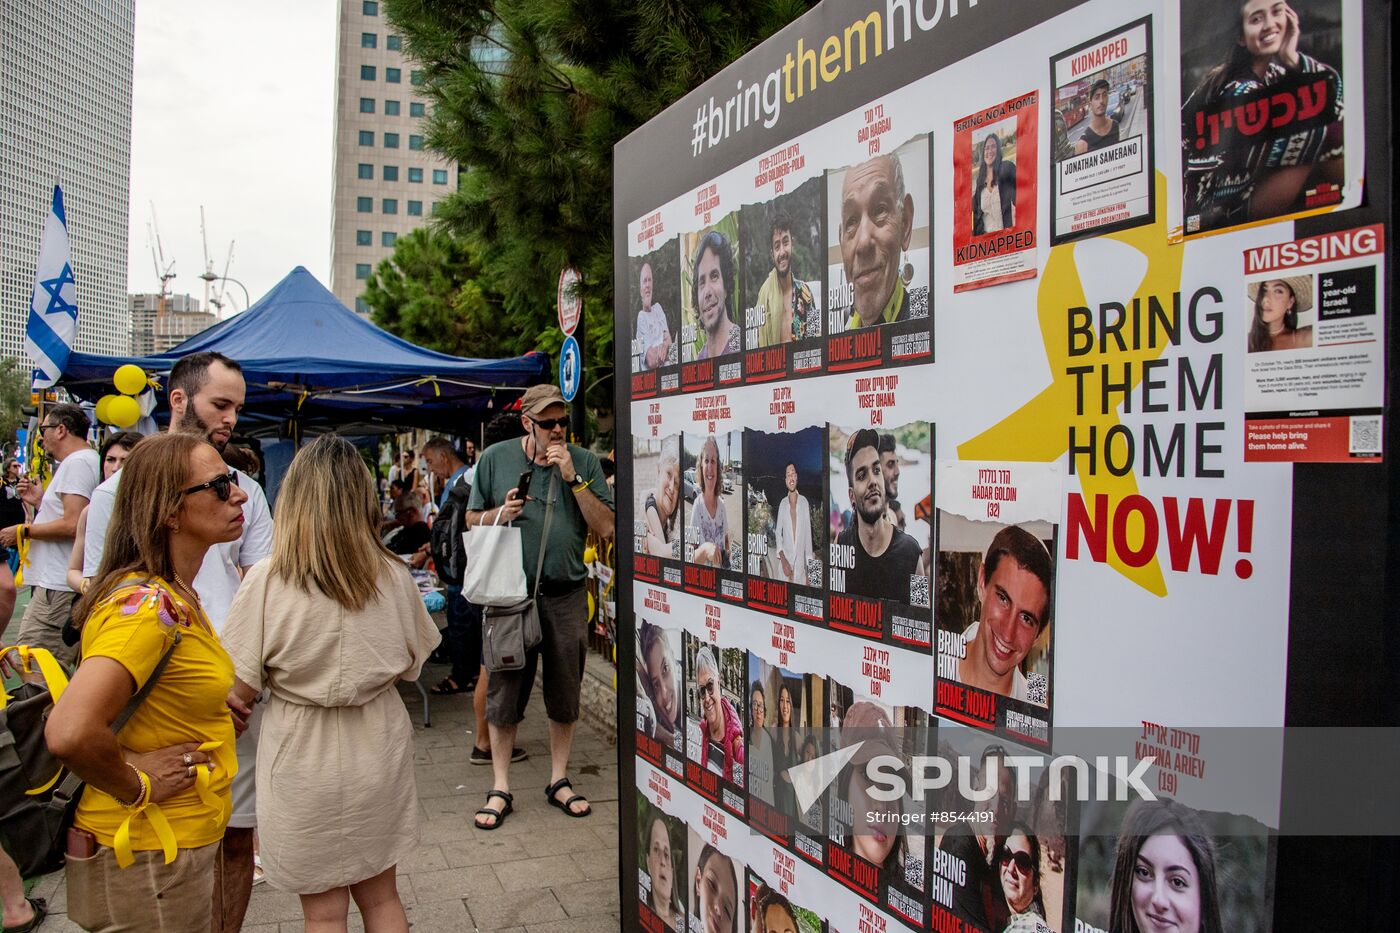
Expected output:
(781, 261)
(1263, 111)
(1000, 863)
(995, 595)
(995, 192)
(1159, 864)
(782, 705)
(715, 691)
(717, 887)
(881, 530)
(712, 482)
(772, 911)
(886, 834)
(711, 322)
(787, 527)
(654, 298)
(656, 465)
(878, 216)
(661, 885)
(660, 693)
(1102, 150)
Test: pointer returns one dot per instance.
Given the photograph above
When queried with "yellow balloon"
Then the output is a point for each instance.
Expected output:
(102, 406)
(129, 379)
(123, 411)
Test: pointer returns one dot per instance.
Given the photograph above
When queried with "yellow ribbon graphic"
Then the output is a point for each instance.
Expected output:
(1039, 430)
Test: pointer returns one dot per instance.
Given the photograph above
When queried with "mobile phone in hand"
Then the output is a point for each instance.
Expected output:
(522, 486)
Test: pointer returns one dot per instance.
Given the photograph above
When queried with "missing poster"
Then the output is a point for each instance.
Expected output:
(1315, 348)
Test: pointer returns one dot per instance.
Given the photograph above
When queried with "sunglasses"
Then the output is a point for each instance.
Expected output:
(1022, 861)
(222, 486)
(709, 688)
(45, 427)
(549, 424)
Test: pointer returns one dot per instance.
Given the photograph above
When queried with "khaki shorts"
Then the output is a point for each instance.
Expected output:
(563, 646)
(42, 624)
(147, 896)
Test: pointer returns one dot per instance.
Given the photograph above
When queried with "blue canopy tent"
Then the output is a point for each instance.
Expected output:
(312, 364)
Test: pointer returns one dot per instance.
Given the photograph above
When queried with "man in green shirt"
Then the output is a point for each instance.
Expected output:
(582, 502)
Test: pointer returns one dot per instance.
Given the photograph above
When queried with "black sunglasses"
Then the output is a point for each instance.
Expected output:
(222, 486)
(549, 424)
(45, 427)
(1022, 860)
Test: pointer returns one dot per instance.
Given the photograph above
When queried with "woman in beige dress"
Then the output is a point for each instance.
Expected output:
(330, 623)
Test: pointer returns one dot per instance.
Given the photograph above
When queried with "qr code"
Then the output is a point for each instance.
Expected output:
(1365, 436)
(918, 592)
(1037, 689)
(918, 302)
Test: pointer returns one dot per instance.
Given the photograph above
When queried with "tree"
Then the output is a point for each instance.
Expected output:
(434, 292)
(529, 97)
(14, 396)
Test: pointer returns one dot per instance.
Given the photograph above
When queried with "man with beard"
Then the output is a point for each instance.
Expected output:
(786, 300)
(205, 392)
(877, 222)
(889, 468)
(653, 338)
(1102, 129)
(711, 284)
(885, 557)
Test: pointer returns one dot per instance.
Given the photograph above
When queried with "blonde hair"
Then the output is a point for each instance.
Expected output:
(326, 524)
(154, 478)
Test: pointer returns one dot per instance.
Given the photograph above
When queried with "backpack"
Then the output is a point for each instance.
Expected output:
(445, 541)
(38, 796)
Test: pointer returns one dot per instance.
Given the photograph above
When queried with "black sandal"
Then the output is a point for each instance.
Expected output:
(566, 805)
(447, 687)
(41, 910)
(500, 814)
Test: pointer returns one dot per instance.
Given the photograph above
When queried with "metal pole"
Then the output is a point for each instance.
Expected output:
(578, 410)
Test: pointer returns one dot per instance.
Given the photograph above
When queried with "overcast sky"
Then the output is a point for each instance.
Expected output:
(234, 110)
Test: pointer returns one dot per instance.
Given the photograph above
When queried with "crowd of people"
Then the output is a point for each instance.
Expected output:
(224, 655)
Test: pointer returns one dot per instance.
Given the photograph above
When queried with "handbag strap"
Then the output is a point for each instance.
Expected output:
(544, 538)
(71, 784)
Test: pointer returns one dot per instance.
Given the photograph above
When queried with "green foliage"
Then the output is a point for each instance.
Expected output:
(434, 292)
(529, 97)
(14, 395)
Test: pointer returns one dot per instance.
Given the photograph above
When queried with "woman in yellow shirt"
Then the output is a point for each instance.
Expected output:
(157, 795)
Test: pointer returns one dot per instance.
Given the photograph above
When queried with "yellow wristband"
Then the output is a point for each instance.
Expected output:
(580, 487)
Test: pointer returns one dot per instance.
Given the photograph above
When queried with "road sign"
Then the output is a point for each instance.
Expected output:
(570, 368)
(569, 302)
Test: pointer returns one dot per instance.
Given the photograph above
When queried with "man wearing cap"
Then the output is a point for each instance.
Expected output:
(582, 502)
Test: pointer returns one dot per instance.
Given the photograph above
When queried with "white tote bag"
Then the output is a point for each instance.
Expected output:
(495, 574)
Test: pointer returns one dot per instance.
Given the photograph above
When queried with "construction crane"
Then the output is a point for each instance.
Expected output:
(164, 272)
(216, 300)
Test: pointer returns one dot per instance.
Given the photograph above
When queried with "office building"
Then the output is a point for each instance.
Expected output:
(386, 181)
(155, 329)
(65, 118)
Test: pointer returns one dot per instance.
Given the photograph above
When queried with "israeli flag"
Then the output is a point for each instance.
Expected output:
(53, 309)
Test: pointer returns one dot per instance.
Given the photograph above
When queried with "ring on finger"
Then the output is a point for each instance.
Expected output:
(187, 759)
(189, 771)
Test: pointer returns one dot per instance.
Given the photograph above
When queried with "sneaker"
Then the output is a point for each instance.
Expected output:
(480, 757)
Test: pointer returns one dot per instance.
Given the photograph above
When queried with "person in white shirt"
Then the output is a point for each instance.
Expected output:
(653, 339)
(794, 531)
(206, 392)
(63, 434)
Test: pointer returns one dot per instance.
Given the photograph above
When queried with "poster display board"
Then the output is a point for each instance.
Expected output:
(947, 432)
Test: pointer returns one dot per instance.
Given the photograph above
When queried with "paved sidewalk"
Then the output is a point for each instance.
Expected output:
(542, 872)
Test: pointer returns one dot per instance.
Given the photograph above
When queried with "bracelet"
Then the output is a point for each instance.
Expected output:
(580, 487)
(143, 791)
